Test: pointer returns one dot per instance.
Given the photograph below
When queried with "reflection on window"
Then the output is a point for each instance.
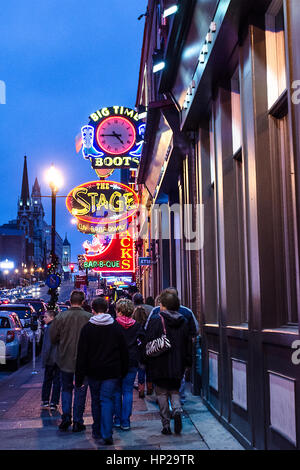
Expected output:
(275, 48)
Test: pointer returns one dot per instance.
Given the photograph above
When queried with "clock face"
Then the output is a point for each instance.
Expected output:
(116, 135)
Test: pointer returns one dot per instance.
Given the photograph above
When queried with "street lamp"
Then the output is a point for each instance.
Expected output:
(55, 181)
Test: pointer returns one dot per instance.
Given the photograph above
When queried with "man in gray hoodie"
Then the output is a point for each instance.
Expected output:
(103, 358)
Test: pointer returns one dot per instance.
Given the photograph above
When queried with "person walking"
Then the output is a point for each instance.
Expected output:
(102, 357)
(51, 380)
(150, 301)
(167, 369)
(135, 335)
(138, 301)
(65, 332)
(140, 316)
(193, 330)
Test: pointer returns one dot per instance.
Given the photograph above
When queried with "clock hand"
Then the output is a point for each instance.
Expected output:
(110, 135)
(118, 137)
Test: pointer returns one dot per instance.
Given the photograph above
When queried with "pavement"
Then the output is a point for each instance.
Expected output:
(24, 426)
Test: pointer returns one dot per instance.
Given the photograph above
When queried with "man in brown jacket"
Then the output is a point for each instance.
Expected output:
(65, 331)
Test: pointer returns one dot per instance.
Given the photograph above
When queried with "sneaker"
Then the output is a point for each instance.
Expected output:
(64, 425)
(177, 422)
(78, 427)
(44, 405)
(125, 428)
(53, 407)
(167, 431)
(117, 425)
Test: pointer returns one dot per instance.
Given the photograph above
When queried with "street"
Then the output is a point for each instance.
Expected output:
(64, 294)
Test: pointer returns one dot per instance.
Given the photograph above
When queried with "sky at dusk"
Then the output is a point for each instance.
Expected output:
(60, 62)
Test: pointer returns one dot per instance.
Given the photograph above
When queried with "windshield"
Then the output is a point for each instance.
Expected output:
(38, 306)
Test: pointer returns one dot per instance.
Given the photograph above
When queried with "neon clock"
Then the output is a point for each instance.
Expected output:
(116, 135)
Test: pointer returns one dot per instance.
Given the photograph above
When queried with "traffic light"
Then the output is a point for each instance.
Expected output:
(71, 268)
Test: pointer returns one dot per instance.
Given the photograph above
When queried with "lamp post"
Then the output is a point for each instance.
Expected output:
(54, 180)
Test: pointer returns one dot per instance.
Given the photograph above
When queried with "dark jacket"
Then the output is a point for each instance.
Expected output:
(102, 352)
(135, 339)
(49, 350)
(65, 331)
(172, 363)
(186, 312)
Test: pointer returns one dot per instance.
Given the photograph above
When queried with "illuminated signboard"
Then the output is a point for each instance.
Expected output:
(102, 206)
(113, 139)
(117, 256)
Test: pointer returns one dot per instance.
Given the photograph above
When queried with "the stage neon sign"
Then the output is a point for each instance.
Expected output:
(102, 203)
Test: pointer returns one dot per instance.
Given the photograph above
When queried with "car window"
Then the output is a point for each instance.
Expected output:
(4, 322)
(23, 313)
(17, 321)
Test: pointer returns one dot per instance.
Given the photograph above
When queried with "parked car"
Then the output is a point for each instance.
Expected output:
(14, 340)
(25, 313)
(38, 304)
(62, 307)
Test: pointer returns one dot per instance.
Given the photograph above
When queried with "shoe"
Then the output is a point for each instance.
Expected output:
(108, 441)
(53, 407)
(44, 405)
(125, 428)
(117, 425)
(177, 422)
(149, 388)
(167, 431)
(64, 425)
(78, 427)
(141, 391)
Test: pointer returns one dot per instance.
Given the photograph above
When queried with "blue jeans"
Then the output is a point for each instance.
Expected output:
(102, 396)
(67, 395)
(51, 381)
(141, 375)
(124, 398)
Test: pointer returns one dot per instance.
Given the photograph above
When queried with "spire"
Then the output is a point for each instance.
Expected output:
(25, 198)
(66, 241)
(36, 190)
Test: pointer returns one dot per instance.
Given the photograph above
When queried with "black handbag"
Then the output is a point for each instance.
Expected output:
(158, 346)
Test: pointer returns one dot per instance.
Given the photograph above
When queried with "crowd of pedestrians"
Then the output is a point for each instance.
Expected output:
(107, 348)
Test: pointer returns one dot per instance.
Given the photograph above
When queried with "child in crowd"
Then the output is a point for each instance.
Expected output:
(52, 372)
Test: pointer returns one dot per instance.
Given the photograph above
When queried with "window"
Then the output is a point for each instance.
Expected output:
(284, 213)
(275, 48)
(236, 118)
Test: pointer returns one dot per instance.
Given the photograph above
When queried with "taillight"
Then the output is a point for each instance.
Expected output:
(10, 336)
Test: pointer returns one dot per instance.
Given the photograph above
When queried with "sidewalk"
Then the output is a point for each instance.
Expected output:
(24, 426)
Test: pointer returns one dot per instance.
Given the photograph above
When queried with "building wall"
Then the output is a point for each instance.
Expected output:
(235, 152)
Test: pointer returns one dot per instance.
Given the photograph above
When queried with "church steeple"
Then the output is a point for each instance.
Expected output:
(36, 190)
(25, 197)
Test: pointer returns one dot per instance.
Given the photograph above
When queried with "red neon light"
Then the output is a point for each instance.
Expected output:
(120, 249)
(128, 146)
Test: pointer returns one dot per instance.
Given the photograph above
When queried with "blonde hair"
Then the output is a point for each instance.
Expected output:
(125, 307)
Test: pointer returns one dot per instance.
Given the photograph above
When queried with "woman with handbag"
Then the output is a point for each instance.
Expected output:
(168, 353)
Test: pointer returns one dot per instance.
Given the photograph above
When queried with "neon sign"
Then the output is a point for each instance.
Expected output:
(113, 139)
(117, 257)
(102, 204)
